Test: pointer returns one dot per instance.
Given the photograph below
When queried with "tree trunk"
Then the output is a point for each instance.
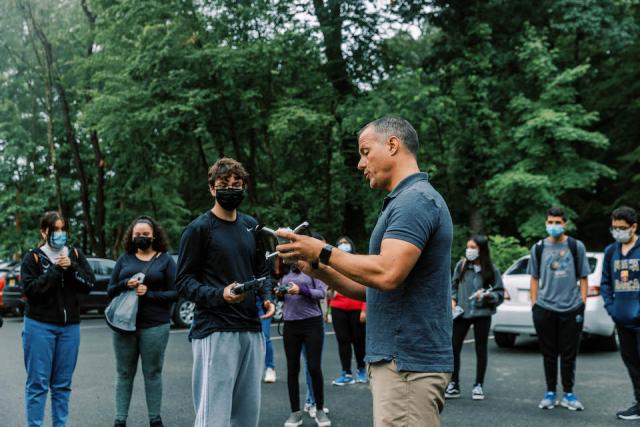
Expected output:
(101, 245)
(82, 176)
(46, 65)
(336, 70)
(66, 115)
(100, 234)
(476, 221)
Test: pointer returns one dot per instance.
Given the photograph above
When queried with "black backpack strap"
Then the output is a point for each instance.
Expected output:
(538, 252)
(577, 261)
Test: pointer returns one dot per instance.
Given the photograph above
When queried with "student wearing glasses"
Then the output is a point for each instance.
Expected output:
(620, 288)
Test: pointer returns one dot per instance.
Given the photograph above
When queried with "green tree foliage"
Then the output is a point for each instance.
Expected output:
(112, 109)
(551, 128)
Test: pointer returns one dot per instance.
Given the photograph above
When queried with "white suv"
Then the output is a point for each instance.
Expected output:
(513, 318)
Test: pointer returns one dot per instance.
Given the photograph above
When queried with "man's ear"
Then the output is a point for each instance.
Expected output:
(393, 145)
(212, 191)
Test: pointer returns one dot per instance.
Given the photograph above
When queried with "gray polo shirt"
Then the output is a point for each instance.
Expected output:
(412, 324)
(558, 288)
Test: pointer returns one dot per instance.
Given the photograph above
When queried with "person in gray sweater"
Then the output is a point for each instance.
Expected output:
(477, 290)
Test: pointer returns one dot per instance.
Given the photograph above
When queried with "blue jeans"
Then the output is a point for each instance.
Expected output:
(311, 399)
(266, 331)
(50, 356)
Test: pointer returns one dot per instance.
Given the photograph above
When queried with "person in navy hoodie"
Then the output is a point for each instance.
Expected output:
(620, 289)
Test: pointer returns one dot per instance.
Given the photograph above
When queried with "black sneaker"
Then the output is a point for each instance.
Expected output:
(156, 423)
(118, 423)
(452, 391)
(633, 413)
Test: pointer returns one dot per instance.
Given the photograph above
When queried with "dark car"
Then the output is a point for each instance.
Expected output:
(182, 310)
(9, 277)
(13, 300)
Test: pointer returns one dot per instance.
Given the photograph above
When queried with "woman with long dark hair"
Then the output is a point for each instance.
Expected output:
(477, 290)
(304, 328)
(145, 245)
(348, 317)
(53, 275)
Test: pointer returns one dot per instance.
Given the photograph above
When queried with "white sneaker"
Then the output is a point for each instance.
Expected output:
(310, 409)
(270, 375)
(477, 393)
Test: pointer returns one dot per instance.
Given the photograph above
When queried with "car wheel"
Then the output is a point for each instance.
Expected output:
(505, 340)
(183, 313)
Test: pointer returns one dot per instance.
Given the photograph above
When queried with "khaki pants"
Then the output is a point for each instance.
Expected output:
(406, 399)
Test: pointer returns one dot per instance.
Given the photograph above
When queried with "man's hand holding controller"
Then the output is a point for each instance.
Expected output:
(235, 292)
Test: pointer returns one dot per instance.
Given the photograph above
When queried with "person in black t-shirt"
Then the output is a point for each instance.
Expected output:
(145, 246)
(217, 250)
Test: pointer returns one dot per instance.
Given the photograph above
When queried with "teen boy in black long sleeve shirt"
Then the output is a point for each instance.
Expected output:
(217, 250)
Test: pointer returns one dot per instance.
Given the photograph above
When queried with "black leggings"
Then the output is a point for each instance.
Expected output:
(349, 331)
(481, 326)
(310, 333)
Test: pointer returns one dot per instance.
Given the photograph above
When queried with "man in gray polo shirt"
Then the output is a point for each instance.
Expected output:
(405, 279)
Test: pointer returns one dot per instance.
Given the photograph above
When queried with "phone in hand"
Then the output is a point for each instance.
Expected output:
(139, 277)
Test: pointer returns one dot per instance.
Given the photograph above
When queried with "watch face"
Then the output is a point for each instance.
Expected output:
(325, 254)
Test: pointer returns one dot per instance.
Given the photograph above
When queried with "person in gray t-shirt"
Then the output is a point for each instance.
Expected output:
(556, 273)
(556, 265)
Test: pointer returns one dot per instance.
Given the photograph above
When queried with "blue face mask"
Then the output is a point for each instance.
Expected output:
(555, 230)
(58, 239)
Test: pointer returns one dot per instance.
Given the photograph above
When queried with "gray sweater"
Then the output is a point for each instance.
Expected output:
(465, 285)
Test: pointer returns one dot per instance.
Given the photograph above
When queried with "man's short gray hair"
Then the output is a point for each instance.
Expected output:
(398, 127)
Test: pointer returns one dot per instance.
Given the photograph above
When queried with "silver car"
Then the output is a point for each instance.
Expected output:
(514, 318)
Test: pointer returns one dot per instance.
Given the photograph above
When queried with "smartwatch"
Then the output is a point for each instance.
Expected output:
(325, 254)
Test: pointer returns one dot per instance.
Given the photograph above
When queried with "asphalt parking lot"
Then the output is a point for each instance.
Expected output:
(514, 385)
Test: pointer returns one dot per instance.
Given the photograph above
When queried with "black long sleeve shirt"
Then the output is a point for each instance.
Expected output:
(213, 254)
(51, 291)
(154, 307)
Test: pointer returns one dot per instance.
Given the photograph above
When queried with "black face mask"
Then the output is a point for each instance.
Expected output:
(229, 198)
(142, 242)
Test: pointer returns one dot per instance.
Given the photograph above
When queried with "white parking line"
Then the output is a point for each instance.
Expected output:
(82, 328)
(473, 340)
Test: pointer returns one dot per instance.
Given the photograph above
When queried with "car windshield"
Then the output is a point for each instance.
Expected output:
(520, 266)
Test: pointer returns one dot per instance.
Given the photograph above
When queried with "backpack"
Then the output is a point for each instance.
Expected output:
(573, 248)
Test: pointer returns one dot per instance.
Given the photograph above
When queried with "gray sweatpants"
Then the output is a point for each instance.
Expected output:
(227, 371)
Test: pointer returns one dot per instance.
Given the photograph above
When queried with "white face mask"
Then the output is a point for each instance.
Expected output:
(622, 236)
(345, 247)
(472, 254)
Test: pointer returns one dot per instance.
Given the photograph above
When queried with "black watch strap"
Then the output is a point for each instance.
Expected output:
(325, 254)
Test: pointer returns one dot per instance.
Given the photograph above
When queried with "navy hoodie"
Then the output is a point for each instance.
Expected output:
(620, 285)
